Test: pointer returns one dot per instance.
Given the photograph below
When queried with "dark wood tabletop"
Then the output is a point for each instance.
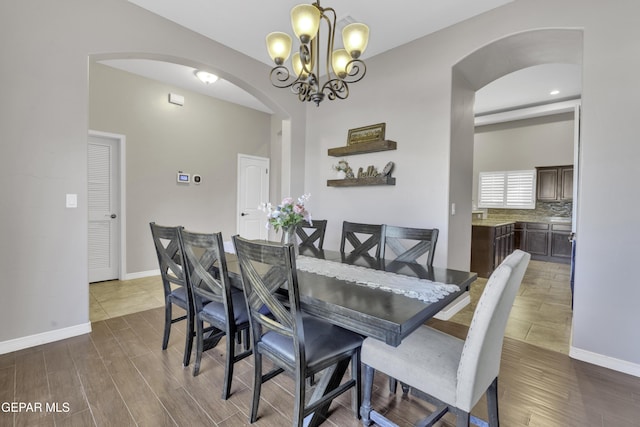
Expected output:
(375, 313)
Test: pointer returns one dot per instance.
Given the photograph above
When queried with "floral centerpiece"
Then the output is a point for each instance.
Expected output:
(286, 215)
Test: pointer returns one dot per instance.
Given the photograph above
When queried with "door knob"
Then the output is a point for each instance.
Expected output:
(113, 216)
(243, 214)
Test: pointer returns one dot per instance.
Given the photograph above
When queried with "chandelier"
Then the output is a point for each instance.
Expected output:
(342, 65)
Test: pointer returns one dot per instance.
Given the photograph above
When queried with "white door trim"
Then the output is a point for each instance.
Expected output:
(238, 181)
(121, 141)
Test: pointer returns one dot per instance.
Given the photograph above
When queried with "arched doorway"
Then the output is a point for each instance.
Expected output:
(485, 65)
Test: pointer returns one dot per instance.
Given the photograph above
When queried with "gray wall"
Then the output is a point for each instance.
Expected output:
(523, 145)
(204, 136)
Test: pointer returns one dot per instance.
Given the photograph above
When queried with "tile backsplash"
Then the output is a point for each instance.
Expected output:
(543, 210)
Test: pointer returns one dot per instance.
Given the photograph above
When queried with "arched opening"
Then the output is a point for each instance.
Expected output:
(475, 71)
(254, 132)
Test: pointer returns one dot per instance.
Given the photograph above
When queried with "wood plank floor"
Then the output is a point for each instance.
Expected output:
(118, 375)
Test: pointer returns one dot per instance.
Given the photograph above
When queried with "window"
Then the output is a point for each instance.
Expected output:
(507, 189)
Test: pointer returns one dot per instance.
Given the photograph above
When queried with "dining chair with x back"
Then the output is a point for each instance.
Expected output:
(215, 302)
(353, 232)
(311, 234)
(410, 244)
(292, 340)
(176, 291)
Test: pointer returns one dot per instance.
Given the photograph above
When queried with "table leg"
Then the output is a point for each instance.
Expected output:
(331, 379)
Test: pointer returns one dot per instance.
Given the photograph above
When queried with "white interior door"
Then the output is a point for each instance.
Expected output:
(104, 209)
(253, 189)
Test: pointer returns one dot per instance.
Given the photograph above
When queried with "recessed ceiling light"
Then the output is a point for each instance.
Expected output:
(554, 92)
(205, 77)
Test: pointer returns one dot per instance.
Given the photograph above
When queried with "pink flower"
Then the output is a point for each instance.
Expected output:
(299, 209)
(287, 201)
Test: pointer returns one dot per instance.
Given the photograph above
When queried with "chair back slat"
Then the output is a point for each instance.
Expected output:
(353, 232)
(480, 360)
(311, 234)
(411, 244)
(206, 270)
(167, 245)
(266, 268)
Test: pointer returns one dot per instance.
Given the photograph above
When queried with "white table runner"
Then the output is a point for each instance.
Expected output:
(412, 287)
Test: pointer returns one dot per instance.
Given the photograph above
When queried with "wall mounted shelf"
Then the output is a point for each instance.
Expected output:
(362, 148)
(353, 182)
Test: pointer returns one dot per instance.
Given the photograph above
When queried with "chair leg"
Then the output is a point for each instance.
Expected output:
(356, 375)
(257, 384)
(462, 418)
(298, 406)
(167, 324)
(188, 341)
(393, 385)
(228, 368)
(365, 408)
(199, 345)
(492, 404)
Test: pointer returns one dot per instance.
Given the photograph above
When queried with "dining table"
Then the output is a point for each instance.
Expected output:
(375, 312)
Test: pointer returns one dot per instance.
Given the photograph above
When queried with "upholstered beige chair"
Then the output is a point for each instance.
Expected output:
(451, 373)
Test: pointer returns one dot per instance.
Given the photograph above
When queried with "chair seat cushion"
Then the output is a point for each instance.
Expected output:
(215, 310)
(427, 359)
(323, 341)
(179, 296)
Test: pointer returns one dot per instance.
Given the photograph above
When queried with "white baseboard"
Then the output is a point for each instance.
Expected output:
(458, 304)
(44, 338)
(605, 361)
(141, 274)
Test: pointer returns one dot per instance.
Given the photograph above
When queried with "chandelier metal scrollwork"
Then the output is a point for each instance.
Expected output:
(343, 66)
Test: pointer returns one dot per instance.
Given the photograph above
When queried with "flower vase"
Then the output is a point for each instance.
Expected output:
(289, 236)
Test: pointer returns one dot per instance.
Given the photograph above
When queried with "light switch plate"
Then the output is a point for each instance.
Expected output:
(72, 200)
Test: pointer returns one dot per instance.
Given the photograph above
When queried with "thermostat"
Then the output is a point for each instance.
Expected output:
(197, 179)
(183, 178)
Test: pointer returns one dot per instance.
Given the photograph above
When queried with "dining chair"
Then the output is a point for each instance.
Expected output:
(311, 234)
(292, 340)
(352, 232)
(410, 244)
(176, 291)
(451, 373)
(215, 302)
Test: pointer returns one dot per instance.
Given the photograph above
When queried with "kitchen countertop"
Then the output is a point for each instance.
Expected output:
(491, 222)
(497, 222)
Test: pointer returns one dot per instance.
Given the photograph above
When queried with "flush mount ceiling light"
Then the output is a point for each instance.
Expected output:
(342, 65)
(554, 92)
(205, 77)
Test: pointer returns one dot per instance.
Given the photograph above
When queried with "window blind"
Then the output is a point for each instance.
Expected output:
(507, 189)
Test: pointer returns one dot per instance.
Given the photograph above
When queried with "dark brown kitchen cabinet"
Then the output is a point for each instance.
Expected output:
(544, 241)
(537, 239)
(560, 243)
(554, 183)
(490, 245)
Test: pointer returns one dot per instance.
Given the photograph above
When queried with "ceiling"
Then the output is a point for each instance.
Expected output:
(224, 20)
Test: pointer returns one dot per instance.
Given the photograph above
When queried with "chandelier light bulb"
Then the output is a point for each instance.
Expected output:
(279, 46)
(340, 59)
(305, 20)
(296, 64)
(355, 38)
